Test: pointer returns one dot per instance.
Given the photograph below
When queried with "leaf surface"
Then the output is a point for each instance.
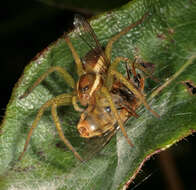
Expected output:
(167, 39)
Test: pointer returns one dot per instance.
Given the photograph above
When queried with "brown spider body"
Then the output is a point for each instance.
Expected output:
(89, 83)
(87, 86)
(109, 97)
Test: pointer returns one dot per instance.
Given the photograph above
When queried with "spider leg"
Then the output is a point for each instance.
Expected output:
(135, 91)
(173, 77)
(63, 99)
(67, 77)
(117, 36)
(115, 112)
(60, 131)
(76, 57)
(34, 125)
(75, 104)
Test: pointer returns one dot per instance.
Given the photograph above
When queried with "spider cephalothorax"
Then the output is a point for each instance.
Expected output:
(87, 86)
(101, 88)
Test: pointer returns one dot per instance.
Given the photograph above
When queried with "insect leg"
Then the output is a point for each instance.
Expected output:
(115, 112)
(117, 36)
(133, 65)
(141, 84)
(135, 91)
(60, 131)
(76, 57)
(146, 71)
(67, 77)
(137, 77)
(63, 99)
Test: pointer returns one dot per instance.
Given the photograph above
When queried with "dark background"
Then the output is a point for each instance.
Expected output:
(27, 27)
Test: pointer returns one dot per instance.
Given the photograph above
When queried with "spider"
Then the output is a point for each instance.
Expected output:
(98, 81)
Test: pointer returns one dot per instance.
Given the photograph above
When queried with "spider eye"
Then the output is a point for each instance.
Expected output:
(107, 109)
(84, 89)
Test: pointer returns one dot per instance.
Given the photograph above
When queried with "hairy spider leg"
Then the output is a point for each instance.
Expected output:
(114, 110)
(60, 131)
(191, 60)
(80, 71)
(67, 77)
(76, 57)
(63, 99)
(108, 48)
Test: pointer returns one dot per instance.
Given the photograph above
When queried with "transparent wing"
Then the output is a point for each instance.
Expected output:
(87, 34)
(94, 146)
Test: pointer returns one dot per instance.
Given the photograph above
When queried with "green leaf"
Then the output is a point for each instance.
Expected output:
(167, 39)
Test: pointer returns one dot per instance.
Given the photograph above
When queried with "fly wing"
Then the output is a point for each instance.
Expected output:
(95, 145)
(88, 35)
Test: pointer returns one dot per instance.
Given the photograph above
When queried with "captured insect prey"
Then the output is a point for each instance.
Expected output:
(105, 97)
